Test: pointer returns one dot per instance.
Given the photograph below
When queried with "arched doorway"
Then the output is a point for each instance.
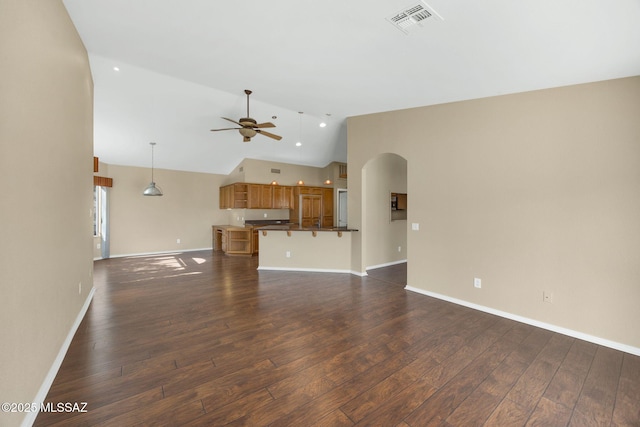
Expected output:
(384, 235)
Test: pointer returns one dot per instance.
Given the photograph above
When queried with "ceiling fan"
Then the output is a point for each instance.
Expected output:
(249, 127)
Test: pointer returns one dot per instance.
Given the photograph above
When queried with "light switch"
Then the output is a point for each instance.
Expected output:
(415, 226)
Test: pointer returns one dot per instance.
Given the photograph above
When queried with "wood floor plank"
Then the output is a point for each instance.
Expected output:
(508, 413)
(201, 339)
(567, 383)
(549, 414)
(441, 405)
(597, 399)
(626, 412)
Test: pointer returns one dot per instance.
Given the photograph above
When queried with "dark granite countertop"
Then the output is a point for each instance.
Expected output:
(297, 227)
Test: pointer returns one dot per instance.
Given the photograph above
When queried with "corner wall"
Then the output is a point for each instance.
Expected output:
(530, 192)
(46, 171)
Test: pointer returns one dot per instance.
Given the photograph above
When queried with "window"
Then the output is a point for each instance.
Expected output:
(98, 200)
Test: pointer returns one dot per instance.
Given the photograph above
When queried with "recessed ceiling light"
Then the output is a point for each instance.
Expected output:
(298, 144)
(323, 124)
(116, 69)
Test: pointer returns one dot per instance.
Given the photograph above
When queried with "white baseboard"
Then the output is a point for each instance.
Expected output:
(53, 371)
(158, 253)
(313, 270)
(386, 264)
(564, 331)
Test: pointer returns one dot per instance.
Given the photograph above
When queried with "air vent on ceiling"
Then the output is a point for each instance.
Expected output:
(275, 170)
(412, 17)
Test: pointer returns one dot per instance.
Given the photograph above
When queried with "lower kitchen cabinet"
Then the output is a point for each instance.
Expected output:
(233, 240)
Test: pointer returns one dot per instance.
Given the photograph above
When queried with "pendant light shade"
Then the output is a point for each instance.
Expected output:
(152, 189)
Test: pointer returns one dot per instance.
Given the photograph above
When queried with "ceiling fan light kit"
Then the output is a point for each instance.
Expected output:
(249, 127)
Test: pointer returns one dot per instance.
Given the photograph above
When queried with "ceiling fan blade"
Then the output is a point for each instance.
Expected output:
(265, 125)
(215, 130)
(270, 135)
(232, 121)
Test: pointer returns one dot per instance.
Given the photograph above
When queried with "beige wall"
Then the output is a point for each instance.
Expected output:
(326, 251)
(144, 224)
(259, 171)
(530, 192)
(46, 168)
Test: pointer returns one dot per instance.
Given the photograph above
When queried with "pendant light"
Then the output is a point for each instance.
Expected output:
(152, 189)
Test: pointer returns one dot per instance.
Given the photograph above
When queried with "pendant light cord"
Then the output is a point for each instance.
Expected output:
(152, 147)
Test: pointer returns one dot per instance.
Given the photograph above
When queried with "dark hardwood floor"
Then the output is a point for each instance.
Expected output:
(197, 339)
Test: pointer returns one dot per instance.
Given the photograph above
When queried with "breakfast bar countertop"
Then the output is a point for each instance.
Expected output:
(298, 227)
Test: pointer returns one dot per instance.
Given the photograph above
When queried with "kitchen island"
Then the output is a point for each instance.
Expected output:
(295, 248)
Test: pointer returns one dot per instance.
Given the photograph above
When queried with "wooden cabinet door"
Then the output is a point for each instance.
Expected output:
(287, 200)
(327, 207)
(222, 201)
(266, 197)
(254, 196)
(311, 210)
(256, 240)
(282, 197)
(277, 196)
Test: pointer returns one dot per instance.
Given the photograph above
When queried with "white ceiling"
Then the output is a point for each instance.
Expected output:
(184, 64)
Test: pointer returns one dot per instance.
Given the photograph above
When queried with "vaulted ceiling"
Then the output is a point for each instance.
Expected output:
(182, 65)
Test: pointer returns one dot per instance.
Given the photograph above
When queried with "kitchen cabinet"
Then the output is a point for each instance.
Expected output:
(260, 196)
(266, 197)
(256, 196)
(255, 241)
(233, 240)
(311, 210)
(282, 197)
(234, 196)
(312, 204)
(327, 207)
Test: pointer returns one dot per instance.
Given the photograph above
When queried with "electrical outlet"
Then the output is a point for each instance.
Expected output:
(288, 254)
(177, 240)
(547, 296)
(80, 288)
(415, 226)
(98, 246)
(399, 248)
(265, 214)
(477, 283)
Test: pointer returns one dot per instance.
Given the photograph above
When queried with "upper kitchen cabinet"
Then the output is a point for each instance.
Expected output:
(282, 197)
(234, 196)
(260, 196)
(268, 196)
(256, 196)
